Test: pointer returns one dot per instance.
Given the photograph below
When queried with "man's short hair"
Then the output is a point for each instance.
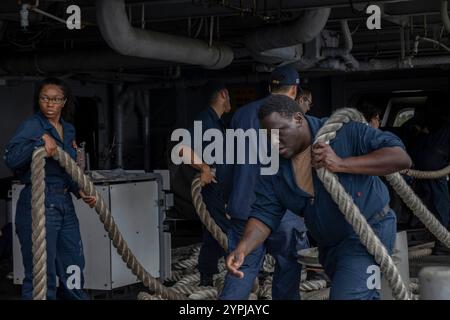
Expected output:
(276, 88)
(303, 91)
(369, 109)
(283, 105)
(211, 89)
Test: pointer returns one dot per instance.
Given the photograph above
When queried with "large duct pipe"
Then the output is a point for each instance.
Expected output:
(304, 29)
(348, 41)
(388, 64)
(444, 15)
(378, 64)
(125, 39)
(344, 51)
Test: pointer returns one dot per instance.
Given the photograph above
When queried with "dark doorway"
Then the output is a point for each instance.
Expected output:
(86, 126)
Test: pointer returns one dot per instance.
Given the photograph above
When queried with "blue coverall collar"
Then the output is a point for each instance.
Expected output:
(286, 164)
(213, 113)
(48, 126)
(215, 117)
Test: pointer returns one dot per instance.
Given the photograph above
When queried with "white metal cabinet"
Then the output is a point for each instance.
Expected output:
(135, 207)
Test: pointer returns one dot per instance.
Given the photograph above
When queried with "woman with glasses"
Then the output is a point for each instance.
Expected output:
(47, 129)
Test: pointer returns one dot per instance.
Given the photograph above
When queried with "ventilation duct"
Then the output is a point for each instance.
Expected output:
(128, 40)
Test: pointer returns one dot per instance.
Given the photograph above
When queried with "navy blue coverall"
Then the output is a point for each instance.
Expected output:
(213, 197)
(344, 258)
(431, 152)
(64, 246)
(283, 244)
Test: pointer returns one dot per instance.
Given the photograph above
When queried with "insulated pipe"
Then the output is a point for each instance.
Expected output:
(383, 64)
(344, 51)
(348, 41)
(124, 38)
(304, 29)
(388, 64)
(444, 15)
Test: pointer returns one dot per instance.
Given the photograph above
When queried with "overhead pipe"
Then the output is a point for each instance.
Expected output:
(378, 64)
(304, 29)
(331, 64)
(444, 15)
(424, 39)
(389, 64)
(346, 34)
(344, 51)
(124, 38)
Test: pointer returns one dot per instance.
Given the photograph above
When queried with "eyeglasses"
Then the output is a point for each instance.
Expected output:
(309, 101)
(56, 100)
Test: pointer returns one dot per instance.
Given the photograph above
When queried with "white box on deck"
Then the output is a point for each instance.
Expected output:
(135, 209)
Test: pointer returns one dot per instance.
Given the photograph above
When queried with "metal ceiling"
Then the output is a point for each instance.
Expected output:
(224, 21)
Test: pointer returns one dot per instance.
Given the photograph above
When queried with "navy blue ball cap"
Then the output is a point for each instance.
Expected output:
(285, 76)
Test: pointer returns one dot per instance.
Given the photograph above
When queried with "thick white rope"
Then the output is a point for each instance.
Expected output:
(427, 174)
(418, 208)
(351, 212)
(38, 225)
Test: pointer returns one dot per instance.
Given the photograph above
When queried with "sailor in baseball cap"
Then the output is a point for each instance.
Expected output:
(284, 76)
